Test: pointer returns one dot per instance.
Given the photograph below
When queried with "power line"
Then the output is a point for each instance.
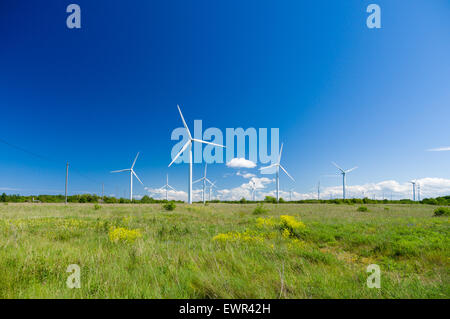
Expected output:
(46, 159)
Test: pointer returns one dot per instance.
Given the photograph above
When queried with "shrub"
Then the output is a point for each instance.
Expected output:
(259, 209)
(97, 206)
(442, 211)
(117, 234)
(270, 199)
(169, 206)
(362, 209)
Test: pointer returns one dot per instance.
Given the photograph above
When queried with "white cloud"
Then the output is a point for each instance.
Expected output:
(439, 149)
(429, 187)
(245, 175)
(241, 163)
(245, 190)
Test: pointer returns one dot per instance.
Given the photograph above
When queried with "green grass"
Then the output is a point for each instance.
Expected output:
(176, 256)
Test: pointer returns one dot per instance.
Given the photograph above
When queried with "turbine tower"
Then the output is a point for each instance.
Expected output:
(277, 172)
(414, 190)
(211, 185)
(253, 190)
(290, 194)
(204, 179)
(167, 187)
(188, 146)
(344, 173)
(131, 170)
(318, 190)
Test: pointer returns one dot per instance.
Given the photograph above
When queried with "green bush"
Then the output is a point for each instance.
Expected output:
(97, 206)
(270, 199)
(259, 209)
(442, 211)
(169, 206)
(362, 209)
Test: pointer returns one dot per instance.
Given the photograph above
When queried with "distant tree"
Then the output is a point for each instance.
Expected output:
(4, 198)
(270, 199)
(243, 200)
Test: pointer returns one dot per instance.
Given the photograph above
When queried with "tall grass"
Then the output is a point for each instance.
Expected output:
(175, 255)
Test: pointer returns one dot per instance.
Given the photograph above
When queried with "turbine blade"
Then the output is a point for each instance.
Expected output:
(198, 180)
(281, 151)
(351, 169)
(137, 177)
(180, 152)
(134, 162)
(287, 173)
(121, 170)
(171, 188)
(205, 142)
(338, 167)
(270, 166)
(184, 122)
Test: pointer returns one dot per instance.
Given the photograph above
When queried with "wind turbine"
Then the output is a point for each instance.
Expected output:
(211, 185)
(344, 172)
(278, 166)
(188, 146)
(167, 187)
(414, 189)
(253, 190)
(131, 175)
(318, 190)
(204, 179)
(290, 194)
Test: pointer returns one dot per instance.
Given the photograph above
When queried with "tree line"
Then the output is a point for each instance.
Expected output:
(92, 198)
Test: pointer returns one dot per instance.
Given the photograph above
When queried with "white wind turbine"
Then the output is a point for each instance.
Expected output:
(167, 187)
(344, 172)
(205, 180)
(278, 166)
(253, 189)
(188, 146)
(211, 185)
(131, 175)
(414, 189)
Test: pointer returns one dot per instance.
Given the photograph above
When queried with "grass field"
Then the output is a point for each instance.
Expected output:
(223, 251)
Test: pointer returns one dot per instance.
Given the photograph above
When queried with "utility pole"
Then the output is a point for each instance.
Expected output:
(67, 180)
(103, 191)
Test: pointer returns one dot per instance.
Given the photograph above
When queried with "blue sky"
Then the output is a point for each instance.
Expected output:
(337, 90)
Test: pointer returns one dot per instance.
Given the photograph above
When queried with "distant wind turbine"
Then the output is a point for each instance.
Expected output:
(131, 170)
(205, 180)
(188, 146)
(167, 187)
(318, 190)
(344, 172)
(278, 166)
(414, 189)
(253, 189)
(211, 185)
